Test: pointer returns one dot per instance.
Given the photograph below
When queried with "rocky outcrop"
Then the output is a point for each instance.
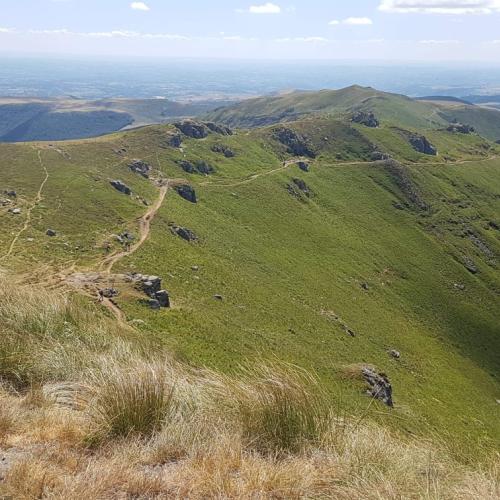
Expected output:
(297, 188)
(187, 192)
(174, 140)
(183, 232)
(295, 143)
(225, 150)
(366, 118)
(380, 387)
(200, 167)
(15, 211)
(218, 129)
(121, 187)
(50, 232)
(379, 156)
(304, 166)
(11, 193)
(460, 128)
(152, 287)
(193, 129)
(140, 167)
(421, 144)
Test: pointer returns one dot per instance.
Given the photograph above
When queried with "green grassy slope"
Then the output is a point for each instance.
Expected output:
(288, 266)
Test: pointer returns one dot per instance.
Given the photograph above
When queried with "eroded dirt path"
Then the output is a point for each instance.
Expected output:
(144, 230)
(37, 200)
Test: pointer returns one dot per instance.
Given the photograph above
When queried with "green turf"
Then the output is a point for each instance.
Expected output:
(286, 265)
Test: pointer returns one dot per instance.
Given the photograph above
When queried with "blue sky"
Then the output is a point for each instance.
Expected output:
(412, 30)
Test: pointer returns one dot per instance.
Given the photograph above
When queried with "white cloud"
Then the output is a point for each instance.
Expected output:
(358, 21)
(353, 21)
(439, 42)
(455, 7)
(139, 6)
(6, 30)
(303, 39)
(267, 8)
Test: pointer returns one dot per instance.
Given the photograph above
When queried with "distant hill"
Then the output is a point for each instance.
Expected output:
(394, 108)
(443, 98)
(61, 119)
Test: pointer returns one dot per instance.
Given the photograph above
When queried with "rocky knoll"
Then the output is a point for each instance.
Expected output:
(200, 130)
(296, 143)
(365, 118)
(140, 167)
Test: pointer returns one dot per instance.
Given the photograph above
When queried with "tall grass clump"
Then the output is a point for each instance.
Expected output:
(280, 408)
(127, 399)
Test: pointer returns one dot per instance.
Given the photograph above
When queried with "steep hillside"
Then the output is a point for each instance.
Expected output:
(59, 119)
(323, 243)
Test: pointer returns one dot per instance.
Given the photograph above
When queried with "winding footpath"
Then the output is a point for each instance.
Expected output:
(38, 199)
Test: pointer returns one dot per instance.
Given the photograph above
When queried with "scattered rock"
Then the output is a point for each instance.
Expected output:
(193, 129)
(51, 232)
(140, 167)
(365, 286)
(494, 225)
(459, 286)
(479, 243)
(421, 144)
(15, 211)
(366, 118)
(460, 128)
(303, 186)
(395, 354)
(218, 297)
(304, 166)
(219, 129)
(380, 387)
(11, 194)
(187, 192)
(121, 187)
(296, 144)
(398, 206)
(195, 268)
(470, 265)
(184, 233)
(225, 150)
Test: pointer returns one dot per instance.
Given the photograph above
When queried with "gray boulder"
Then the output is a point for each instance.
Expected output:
(380, 387)
(187, 192)
(304, 166)
(121, 187)
(50, 232)
(140, 167)
(184, 233)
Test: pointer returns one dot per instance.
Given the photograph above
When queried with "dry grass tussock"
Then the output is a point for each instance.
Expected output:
(125, 425)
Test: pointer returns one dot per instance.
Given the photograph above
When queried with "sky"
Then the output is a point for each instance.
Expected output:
(378, 30)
